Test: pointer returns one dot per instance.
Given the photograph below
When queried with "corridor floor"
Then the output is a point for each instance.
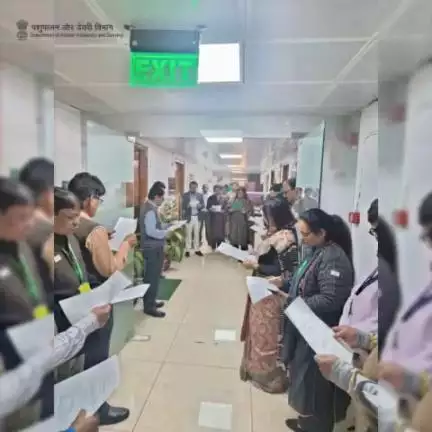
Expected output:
(176, 377)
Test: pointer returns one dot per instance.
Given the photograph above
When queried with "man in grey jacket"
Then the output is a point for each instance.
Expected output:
(153, 235)
(192, 207)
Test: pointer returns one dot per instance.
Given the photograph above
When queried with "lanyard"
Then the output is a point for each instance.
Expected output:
(372, 278)
(421, 302)
(73, 260)
(28, 279)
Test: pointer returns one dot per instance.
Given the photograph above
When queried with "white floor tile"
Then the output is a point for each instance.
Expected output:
(215, 416)
(225, 335)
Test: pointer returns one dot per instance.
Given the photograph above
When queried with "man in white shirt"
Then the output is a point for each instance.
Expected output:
(192, 206)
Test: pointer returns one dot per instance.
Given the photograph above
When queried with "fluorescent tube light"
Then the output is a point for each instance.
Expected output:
(230, 156)
(235, 167)
(224, 140)
(219, 63)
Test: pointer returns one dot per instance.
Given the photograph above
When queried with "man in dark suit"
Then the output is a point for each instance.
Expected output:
(192, 207)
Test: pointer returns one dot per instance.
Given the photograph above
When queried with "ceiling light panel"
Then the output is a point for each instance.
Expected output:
(219, 63)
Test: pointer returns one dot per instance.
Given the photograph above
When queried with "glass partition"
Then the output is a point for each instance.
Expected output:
(110, 156)
(309, 168)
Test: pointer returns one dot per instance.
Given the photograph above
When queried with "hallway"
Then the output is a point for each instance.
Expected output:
(177, 378)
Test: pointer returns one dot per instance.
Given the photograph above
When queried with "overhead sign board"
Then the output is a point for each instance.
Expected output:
(163, 70)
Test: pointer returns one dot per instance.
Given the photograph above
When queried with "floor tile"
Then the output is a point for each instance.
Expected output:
(180, 390)
(215, 416)
(137, 380)
(195, 345)
(162, 334)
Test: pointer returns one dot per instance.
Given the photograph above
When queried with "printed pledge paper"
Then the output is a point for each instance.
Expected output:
(318, 335)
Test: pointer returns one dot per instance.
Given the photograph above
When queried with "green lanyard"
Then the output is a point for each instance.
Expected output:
(70, 254)
(29, 281)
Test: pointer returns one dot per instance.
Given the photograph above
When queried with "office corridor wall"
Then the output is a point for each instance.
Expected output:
(339, 165)
(19, 113)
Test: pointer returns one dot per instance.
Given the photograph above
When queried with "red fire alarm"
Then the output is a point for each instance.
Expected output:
(354, 217)
(401, 218)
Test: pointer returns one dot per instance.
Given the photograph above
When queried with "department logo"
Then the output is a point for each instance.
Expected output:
(22, 26)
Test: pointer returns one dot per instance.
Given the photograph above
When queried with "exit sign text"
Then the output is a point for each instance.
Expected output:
(163, 70)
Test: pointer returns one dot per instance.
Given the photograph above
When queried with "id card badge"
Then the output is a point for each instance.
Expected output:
(84, 288)
(40, 312)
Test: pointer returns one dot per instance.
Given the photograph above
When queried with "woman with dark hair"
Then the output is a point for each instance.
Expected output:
(261, 331)
(324, 281)
(363, 323)
(406, 361)
(239, 212)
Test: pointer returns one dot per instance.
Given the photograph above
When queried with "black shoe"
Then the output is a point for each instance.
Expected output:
(293, 424)
(198, 253)
(187, 254)
(109, 415)
(155, 313)
(159, 304)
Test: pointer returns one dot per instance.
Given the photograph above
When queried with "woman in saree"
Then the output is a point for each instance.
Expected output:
(324, 281)
(239, 211)
(262, 324)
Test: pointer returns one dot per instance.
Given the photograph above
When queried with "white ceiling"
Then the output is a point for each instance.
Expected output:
(301, 58)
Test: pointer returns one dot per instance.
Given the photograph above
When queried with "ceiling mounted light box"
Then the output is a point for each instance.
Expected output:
(163, 70)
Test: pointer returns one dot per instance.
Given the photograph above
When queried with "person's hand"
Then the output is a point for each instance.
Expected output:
(346, 334)
(277, 281)
(249, 264)
(325, 363)
(392, 373)
(83, 423)
(131, 239)
(102, 314)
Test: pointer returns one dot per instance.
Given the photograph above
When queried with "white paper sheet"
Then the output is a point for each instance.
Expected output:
(318, 335)
(79, 306)
(216, 208)
(131, 293)
(257, 220)
(177, 225)
(32, 337)
(259, 229)
(123, 228)
(258, 288)
(232, 252)
(86, 391)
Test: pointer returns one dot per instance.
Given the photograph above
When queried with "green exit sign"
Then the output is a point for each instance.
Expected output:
(163, 70)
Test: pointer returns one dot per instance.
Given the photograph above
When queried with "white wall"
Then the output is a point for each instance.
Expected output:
(339, 166)
(18, 118)
(67, 142)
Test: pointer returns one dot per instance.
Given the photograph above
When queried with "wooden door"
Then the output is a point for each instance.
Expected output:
(180, 184)
(140, 176)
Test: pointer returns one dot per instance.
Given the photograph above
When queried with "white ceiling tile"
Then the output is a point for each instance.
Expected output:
(366, 69)
(351, 96)
(417, 20)
(278, 19)
(298, 62)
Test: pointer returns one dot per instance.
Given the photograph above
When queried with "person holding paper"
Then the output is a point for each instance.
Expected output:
(22, 287)
(239, 210)
(216, 218)
(366, 342)
(262, 323)
(38, 175)
(100, 263)
(192, 206)
(152, 247)
(324, 281)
